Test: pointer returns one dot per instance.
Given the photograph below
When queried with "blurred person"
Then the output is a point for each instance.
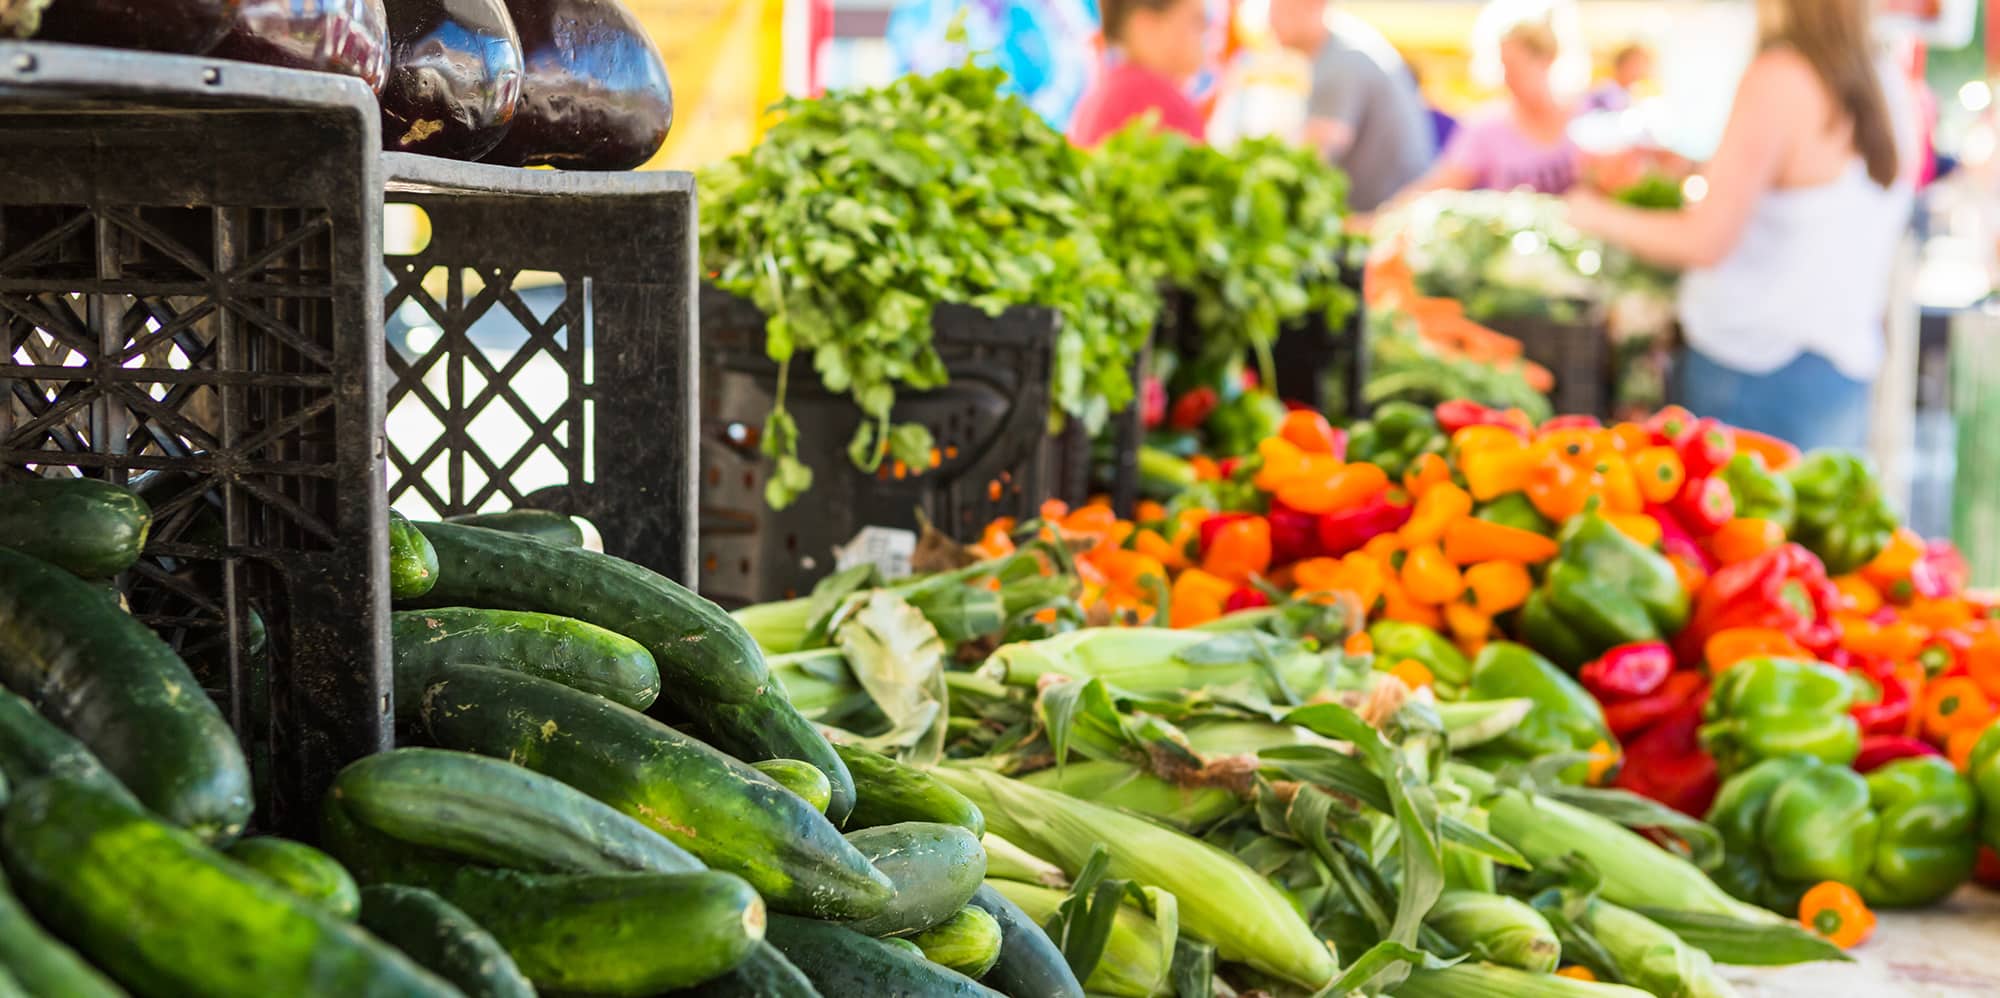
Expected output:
(1523, 143)
(1789, 254)
(1631, 66)
(1152, 49)
(1364, 114)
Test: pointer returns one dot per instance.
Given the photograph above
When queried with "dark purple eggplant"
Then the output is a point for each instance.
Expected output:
(454, 77)
(596, 96)
(332, 36)
(191, 27)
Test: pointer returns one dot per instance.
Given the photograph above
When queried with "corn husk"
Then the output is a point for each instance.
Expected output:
(1138, 957)
(1486, 980)
(1007, 861)
(1497, 929)
(1150, 660)
(1651, 957)
(1125, 786)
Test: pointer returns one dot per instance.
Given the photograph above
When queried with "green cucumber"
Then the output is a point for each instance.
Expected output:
(968, 942)
(542, 524)
(303, 870)
(729, 815)
(108, 680)
(841, 961)
(32, 748)
(764, 974)
(40, 963)
(1029, 961)
(703, 654)
(887, 792)
(936, 868)
(802, 778)
(769, 727)
(615, 934)
(87, 527)
(570, 652)
(495, 813)
(906, 946)
(413, 563)
(443, 940)
(155, 908)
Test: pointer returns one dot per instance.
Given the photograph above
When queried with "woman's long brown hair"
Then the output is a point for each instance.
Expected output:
(1833, 36)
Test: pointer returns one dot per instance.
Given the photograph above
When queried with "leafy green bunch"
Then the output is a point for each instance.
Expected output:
(859, 212)
(1253, 235)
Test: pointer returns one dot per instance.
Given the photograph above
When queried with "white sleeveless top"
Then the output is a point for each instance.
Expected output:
(1811, 273)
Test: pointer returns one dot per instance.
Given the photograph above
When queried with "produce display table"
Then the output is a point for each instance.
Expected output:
(1940, 952)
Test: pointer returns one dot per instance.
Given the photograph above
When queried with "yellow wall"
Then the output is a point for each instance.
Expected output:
(725, 58)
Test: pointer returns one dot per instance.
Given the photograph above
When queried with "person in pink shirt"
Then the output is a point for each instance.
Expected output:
(1523, 144)
(1152, 49)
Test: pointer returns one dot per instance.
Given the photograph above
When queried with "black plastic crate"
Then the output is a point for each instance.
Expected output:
(990, 426)
(1578, 354)
(1305, 354)
(1107, 463)
(189, 273)
(542, 350)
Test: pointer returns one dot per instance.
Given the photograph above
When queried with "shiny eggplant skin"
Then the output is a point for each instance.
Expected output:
(191, 27)
(596, 95)
(454, 77)
(332, 36)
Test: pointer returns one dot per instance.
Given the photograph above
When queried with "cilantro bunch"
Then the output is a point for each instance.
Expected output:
(1253, 235)
(859, 212)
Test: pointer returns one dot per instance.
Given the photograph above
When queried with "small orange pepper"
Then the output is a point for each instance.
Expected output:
(1576, 972)
(1127, 569)
(1472, 540)
(1149, 511)
(1604, 758)
(1328, 486)
(1205, 468)
(1692, 576)
(1397, 605)
(1955, 704)
(1639, 527)
(1241, 549)
(1149, 542)
(1383, 547)
(1982, 660)
(1744, 538)
(1857, 595)
(1054, 510)
(1426, 471)
(1620, 487)
(1439, 508)
(1731, 645)
(1490, 474)
(1283, 462)
(1467, 624)
(1498, 586)
(1358, 643)
(1577, 446)
(1893, 563)
(1958, 748)
(997, 540)
(1558, 489)
(1629, 438)
(1308, 431)
(1413, 673)
(1899, 641)
(1429, 577)
(1944, 613)
(1197, 598)
(1483, 438)
(1659, 474)
(1837, 914)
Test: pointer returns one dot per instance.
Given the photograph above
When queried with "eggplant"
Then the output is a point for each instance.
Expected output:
(332, 36)
(454, 77)
(596, 96)
(190, 27)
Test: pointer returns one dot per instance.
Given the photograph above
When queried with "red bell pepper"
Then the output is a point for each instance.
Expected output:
(1675, 540)
(1944, 654)
(1228, 467)
(1666, 763)
(1630, 717)
(1707, 449)
(1572, 422)
(1785, 589)
(1457, 414)
(1245, 598)
(1339, 443)
(1192, 408)
(1705, 504)
(1628, 672)
(1152, 402)
(1672, 426)
(1880, 750)
(1347, 530)
(1294, 534)
(1941, 572)
(1213, 526)
(1888, 712)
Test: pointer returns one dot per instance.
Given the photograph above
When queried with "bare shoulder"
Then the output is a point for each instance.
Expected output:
(1781, 74)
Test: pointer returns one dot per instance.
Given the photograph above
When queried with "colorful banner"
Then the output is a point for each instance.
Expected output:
(726, 60)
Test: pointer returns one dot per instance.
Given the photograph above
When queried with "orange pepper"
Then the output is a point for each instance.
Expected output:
(1837, 914)
(1413, 673)
(1982, 660)
(1358, 643)
(1483, 438)
(1439, 508)
(1898, 642)
(1382, 547)
(1127, 569)
(1205, 468)
(997, 540)
(1893, 563)
(1054, 510)
(1620, 486)
(1659, 474)
(1938, 614)
(1744, 538)
(1197, 598)
(1364, 576)
(1429, 577)
(1692, 576)
(1558, 489)
(1149, 511)
(1467, 624)
(1958, 748)
(1473, 540)
(1731, 645)
(1426, 471)
(1330, 486)
(1397, 605)
(1315, 574)
(1604, 758)
(1777, 454)
(1149, 542)
(1242, 548)
(1953, 704)
(1629, 438)
(1576, 972)
(1308, 431)
(1578, 447)
(1284, 463)
(1498, 586)
(1490, 474)
(1857, 595)
(1641, 528)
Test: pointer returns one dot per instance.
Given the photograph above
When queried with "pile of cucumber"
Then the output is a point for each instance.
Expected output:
(606, 795)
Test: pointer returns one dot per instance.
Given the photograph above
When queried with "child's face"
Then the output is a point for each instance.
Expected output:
(1173, 41)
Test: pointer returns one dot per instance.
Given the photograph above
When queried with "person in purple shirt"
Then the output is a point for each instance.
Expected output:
(1522, 143)
(1631, 65)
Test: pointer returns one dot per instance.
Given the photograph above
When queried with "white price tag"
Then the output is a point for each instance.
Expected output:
(887, 548)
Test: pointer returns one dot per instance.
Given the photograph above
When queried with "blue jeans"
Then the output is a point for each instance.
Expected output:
(1808, 401)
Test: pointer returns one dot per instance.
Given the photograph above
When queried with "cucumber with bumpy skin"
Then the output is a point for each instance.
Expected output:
(727, 814)
(303, 870)
(413, 564)
(495, 813)
(541, 524)
(157, 909)
(571, 652)
(906, 946)
(764, 974)
(1029, 962)
(841, 961)
(936, 868)
(704, 655)
(108, 680)
(802, 778)
(888, 792)
(32, 748)
(87, 527)
(769, 727)
(968, 942)
(443, 940)
(40, 963)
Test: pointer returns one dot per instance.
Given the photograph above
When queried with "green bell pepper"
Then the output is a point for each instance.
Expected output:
(1236, 426)
(1515, 510)
(1565, 718)
(1760, 492)
(1842, 515)
(1549, 634)
(1603, 615)
(1902, 835)
(1402, 432)
(1602, 590)
(1395, 641)
(1762, 708)
(1626, 565)
(1984, 771)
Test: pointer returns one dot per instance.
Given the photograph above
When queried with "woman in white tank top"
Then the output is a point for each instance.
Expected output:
(1788, 256)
